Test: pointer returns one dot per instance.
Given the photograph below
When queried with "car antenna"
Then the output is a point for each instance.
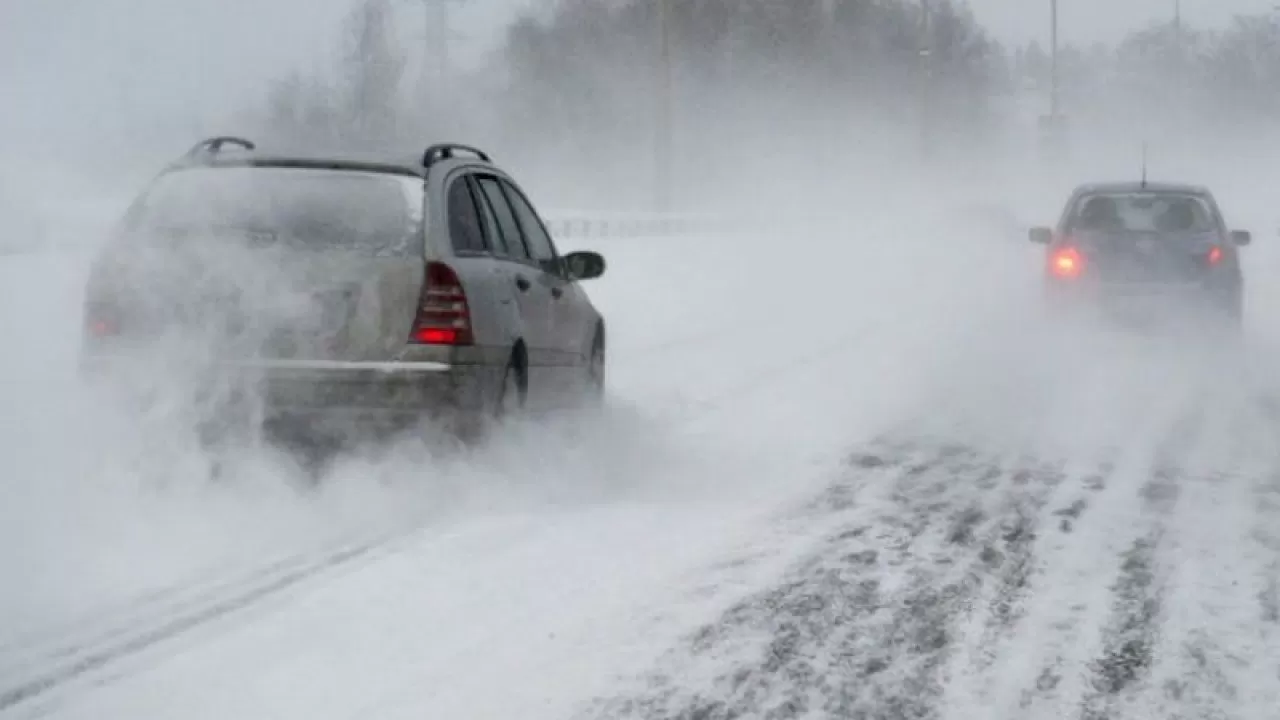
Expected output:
(1144, 165)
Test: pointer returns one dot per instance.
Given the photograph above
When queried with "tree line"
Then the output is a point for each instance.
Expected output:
(579, 84)
(1170, 74)
(581, 81)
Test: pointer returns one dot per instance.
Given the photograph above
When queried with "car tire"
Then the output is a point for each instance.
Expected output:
(1235, 320)
(1232, 308)
(506, 401)
(513, 393)
(596, 370)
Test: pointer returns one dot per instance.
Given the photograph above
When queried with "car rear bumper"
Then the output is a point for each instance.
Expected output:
(1148, 303)
(337, 394)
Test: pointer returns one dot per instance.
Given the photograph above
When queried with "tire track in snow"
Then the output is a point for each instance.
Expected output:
(710, 589)
(895, 577)
(1264, 499)
(1048, 622)
(1211, 563)
(1121, 675)
(1265, 493)
(114, 624)
(38, 669)
(937, 603)
(1223, 661)
(1001, 605)
(1194, 672)
(1129, 638)
(100, 624)
(46, 660)
(1018, 588)
(1265, 531)
(1065, 660)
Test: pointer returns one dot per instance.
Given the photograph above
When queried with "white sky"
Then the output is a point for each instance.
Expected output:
(72, 67)
(94, 68)
(1087, 21)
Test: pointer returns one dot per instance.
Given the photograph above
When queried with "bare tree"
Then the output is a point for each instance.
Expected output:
(372, 70)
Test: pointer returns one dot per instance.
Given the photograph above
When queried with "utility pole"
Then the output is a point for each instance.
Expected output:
(436, 31)
(1053, 125)
(1182, 91)
(1177, 26)
(1053, 59)
(442, 40)
(663, 121)
(926, 78)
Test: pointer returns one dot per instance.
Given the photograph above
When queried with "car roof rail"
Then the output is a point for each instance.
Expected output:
(214, 145)
(442, 151)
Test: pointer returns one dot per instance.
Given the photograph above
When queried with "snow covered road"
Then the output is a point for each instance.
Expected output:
(862, 486)
(1137, 583)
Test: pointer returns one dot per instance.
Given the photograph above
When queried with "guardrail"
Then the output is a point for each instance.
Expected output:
(586, 225)
(29, 250)
(563, 225)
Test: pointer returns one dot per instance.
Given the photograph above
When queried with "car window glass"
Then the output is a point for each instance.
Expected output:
(465, 229)
(488, 221)
(507, 223)
(539, 242)
(1144, 212)
(307, 209)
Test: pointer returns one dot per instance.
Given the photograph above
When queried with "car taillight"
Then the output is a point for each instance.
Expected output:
(103, 328)
(1215, 255)
(1066, 262)
(444, 318)
(100, 323)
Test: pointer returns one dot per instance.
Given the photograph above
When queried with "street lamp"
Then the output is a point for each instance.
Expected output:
(437, 15)
(926, 68)
(1053, 58)
(1177, 22)
(663, 121)
(1053, 125)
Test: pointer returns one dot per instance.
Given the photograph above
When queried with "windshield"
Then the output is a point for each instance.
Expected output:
(1143, 212)
(365, 212)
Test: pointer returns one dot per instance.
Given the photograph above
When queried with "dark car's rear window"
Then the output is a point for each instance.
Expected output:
(1143, 212)
(317, 209)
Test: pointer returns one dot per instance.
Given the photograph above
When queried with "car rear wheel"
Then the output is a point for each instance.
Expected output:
(513, 392)
(1234, 320)
(1230, 310)
(596, 370)
(505, 401)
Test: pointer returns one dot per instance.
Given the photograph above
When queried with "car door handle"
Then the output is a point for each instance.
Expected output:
(556, 292)
(523, 283)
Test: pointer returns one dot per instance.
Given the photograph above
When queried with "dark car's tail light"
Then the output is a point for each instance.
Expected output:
(103, 328)
(100, 321)
(1066, 262)
(444, 318)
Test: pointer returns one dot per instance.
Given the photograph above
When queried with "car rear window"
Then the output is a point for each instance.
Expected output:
(355, 211)
(1143, 212)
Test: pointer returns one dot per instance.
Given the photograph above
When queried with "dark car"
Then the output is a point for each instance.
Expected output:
(343, 292)
(1144, 252)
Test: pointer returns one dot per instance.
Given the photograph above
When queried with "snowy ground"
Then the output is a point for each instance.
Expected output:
(842, 474)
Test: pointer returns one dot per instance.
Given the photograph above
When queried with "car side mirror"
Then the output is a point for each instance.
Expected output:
(1241, 237)
(1040, 235)
(584, 265)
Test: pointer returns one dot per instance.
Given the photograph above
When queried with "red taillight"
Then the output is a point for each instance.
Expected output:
(102, 328)
(1215, 255)
(1066, 262)
(444, 318)
(101, 323)
(437, 336)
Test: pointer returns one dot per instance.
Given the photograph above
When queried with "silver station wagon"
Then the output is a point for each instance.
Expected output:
(343, 294)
